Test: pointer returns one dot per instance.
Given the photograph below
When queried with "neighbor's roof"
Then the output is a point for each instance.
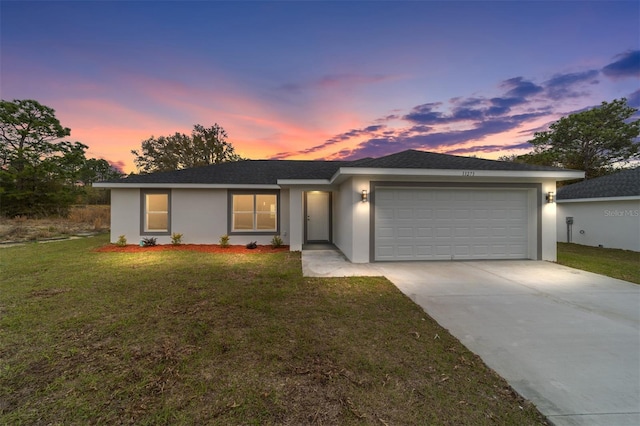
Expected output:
(268, 172)
(621, 184)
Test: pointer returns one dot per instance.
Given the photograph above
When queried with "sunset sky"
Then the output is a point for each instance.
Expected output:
(310, 80)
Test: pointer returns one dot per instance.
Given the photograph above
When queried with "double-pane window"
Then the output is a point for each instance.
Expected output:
(254, 213)
(156, 212)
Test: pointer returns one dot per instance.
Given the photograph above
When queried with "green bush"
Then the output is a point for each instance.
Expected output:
(122, 241)
(149, 242)
(276, 241)
(224, 241)
(176, 239)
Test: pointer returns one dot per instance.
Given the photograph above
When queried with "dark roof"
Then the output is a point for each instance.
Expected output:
(412, 159)
(621, 184)
(247, 172)
(267, 172)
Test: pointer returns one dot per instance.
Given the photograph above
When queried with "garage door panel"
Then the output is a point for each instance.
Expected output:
(385, 232)
(461, 232)
(424, 232)
(384, 214)
(404, 214)
(443, 214)
(443, 232)
(422, 213)
(404, 232)
(441, 224)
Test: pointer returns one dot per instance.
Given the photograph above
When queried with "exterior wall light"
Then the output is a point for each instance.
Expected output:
(365, 196)
(550, 197)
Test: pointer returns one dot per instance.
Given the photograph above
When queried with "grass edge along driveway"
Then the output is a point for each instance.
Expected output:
(195, 338)
(614, 263)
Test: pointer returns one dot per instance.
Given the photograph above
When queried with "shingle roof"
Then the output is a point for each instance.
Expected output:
(621, 184)
(412, 159)
(247, 172)
(267, 172)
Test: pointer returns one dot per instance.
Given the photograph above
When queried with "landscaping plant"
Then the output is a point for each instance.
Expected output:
(176, 239)
(276, 241)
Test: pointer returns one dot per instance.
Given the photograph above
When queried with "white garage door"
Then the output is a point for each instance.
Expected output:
(450, 224)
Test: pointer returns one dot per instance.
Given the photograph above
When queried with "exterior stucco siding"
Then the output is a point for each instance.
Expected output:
(343, 228)
(548, 223)
(612, 224)
(125, 214)
(200, 215)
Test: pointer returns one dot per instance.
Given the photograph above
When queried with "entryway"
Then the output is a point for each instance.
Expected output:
(317, 209)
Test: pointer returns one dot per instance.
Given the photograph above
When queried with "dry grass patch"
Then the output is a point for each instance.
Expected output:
(81, 219)
(195, 338)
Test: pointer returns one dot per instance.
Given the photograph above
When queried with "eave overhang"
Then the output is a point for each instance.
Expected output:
(599, 199)
(559, 175)
(345, 173)
(132, 185)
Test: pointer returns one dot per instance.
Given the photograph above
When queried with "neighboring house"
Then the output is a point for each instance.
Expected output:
(604, 211)
(412, 205)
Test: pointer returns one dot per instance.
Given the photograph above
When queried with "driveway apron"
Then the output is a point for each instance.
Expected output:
(565, 339)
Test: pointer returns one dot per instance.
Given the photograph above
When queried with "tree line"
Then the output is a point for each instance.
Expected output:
(41, 173)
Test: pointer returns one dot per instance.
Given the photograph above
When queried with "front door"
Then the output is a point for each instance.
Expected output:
(318, 211)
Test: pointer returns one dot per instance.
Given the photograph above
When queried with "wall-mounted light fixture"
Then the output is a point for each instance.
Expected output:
(550, 197)
(365, 195)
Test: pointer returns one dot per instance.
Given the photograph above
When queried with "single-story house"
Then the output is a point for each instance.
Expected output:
(603, 211)
(412, 205)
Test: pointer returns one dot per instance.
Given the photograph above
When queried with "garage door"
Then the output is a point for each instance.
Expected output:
(450, 224)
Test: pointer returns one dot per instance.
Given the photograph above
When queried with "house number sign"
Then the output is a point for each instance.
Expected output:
(468, 173)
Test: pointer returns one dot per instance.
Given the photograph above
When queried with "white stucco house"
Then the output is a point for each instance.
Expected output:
(411, 205)
(604, 211)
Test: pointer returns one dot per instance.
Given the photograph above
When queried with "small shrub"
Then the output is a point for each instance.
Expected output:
(276, 241)
(176, 239)
(149, 242)
(122, 241)
(252, 245)
(224, 241)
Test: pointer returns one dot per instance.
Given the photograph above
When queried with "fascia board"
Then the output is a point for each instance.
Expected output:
(182, 185)
(599, 199)
(305, 182)
(361, 171)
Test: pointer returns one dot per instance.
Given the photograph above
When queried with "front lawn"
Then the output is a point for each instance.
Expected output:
(615, 263)
(180, 337)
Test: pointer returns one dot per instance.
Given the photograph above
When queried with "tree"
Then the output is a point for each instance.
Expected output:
(27, 132)
(39, 172)
(597, 141)
(95, 170)
(179, 151)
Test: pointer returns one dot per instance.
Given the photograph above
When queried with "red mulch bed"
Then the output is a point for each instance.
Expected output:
(203, 248)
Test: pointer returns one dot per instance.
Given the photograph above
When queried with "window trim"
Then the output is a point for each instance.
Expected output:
(143, 211)
(230, 195)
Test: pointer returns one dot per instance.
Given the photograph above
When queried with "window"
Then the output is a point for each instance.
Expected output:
(254, 212)
(155, 212)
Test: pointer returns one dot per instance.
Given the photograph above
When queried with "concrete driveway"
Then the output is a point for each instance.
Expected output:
(565, 339)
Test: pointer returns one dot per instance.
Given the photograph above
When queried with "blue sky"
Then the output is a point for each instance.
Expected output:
(319, 79)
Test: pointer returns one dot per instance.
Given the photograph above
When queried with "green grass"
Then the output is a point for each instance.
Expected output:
(615, 263)
(194, 338)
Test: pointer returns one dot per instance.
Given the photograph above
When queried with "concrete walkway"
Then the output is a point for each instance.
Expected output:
(565, 339)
